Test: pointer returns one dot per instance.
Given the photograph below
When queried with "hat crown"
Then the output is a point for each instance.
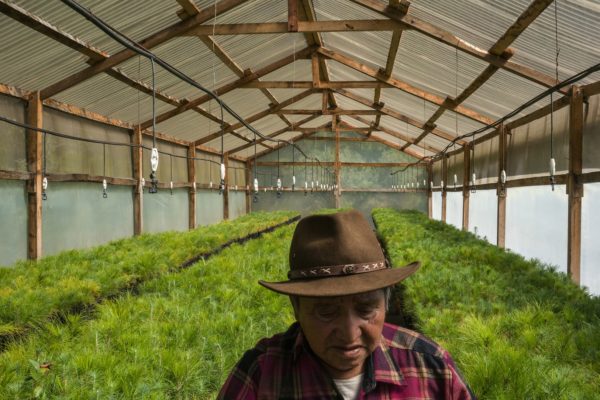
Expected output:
(344, 238)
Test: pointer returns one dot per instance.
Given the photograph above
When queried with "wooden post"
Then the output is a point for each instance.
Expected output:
(226, 189)
(429, 190)
(249, 186)
(501, 190)
(444, 184)
(574, 185)
(466, 189)
(292, 16)
(316, 75)
(191, 166)
(338, 171)
(138, 174)
(34, 185)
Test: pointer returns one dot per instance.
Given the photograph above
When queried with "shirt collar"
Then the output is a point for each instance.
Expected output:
(380, 366)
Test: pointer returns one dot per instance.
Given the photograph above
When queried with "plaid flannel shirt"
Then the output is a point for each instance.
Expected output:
(406, 365)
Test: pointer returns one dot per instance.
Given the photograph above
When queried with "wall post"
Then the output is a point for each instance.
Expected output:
(574, 185)
(34, 185)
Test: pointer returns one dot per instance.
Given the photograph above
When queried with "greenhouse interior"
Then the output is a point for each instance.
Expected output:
(157, 156)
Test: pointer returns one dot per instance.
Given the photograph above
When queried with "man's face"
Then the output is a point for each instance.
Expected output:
(343, 331)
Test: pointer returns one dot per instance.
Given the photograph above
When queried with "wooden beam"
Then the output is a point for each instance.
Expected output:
(381, 140)
(343, 164)
(574, 185)
(138, 174)
(466, 189)
(395, 114)
(191, 169)
(15, 175)
(272, 135)
(316, 74)
(230, 86)
(501, 189)
(151, 41)
(34, 186)
(310, 85)
(292, 16)
(330, 112)
(338, 168)
(309, 27)
(412, 22)
(257, 116)
(405, 87)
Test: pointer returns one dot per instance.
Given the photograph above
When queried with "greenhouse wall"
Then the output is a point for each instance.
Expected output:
(237, 204)
(590, 232)
(454, 209)
(436, 205)
(209, 207)
(13, 214)
(483, 215)
(297, 201)
(75, 215)
(164, 211)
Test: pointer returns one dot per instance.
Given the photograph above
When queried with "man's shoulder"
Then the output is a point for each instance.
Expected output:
(278, 344)
(399, 338)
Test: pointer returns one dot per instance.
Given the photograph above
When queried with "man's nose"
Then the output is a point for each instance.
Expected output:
(349, 328)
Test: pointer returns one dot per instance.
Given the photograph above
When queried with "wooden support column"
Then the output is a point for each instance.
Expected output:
(338, 171)
(574, 184)
(444, 183)
(191, 166)
(138, 174)
(429, 190)
(466, 189)
(34, 185)
(226, 189)
(292, 16)
(501, 189)
(249, 186)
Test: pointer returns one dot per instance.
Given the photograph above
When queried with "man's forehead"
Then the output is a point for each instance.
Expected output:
(356, 298)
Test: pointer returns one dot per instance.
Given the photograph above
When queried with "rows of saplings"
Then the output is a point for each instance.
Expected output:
(71, 282)
(176, 337)
(517, 329)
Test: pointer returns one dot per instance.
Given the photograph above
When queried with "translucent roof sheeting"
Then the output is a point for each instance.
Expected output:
(45, 43)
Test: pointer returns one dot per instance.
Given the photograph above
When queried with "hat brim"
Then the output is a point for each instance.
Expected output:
(343, 285)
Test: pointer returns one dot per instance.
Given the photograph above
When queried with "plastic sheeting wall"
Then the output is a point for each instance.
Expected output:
(591, 134)
(209, 207)
(536, 224)
(13, 226)
(237, 204)
(483, 211)
(77, 216)
(454, 209)
(164, 211)
(12, 151)
(366, 201)
(305, 204)
(436, 205)
(590, 232)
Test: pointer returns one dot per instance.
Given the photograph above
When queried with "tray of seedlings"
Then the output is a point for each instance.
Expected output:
(177, 337)
(33, 292)
(516, 328)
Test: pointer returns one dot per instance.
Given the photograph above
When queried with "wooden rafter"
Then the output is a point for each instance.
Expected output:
(410, 21)
(273, 135)
(311, 85)
(395, 114)
(405, 87)
(381, 140)
(151, 41)
(256, 117)
(500, 48)
(231, 86)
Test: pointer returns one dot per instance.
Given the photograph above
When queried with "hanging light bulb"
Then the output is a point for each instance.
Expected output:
(235, 187)
(143, 183)
(552, 167)
(194, 186)
(278, 187)
(210, 184)
(104, 187)
(293, 182)
(455, 180)
(222, 184)
(154, 168)
(442, 184)
(255, 185)
(503, 177)
(171, 187)
(44, 187)
(431, 185)
(424, 183)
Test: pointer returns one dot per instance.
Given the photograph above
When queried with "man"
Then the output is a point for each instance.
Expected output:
(340, 347)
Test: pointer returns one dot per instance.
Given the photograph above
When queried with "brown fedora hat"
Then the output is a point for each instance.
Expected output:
(335, 255)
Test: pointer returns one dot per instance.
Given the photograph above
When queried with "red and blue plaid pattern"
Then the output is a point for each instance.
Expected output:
(406, 365)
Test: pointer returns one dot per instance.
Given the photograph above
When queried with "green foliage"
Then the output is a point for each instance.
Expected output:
(33, 292)
(177, 339)
(517, 329)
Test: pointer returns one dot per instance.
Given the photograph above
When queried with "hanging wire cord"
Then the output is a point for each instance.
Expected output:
(569, 81)
(139, 49)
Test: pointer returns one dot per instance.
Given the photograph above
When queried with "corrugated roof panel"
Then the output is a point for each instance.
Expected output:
(448, 122)
(389, 138)
(407, 104)
(321, 120)
(135, 19)
(349, 104)
(340, 10)
(249, 12)
(257, 51)
(249, 152)
(300, 70)
(353, 121)
(246, 102)
(340, 72)
(536, 47)
(370, 48)
(265, 126)
(399, 126)
(311, 102)
(31, 60)
(419, 151)
(186, 126)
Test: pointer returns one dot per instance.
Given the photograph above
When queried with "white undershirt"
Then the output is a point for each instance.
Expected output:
(349, 388)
